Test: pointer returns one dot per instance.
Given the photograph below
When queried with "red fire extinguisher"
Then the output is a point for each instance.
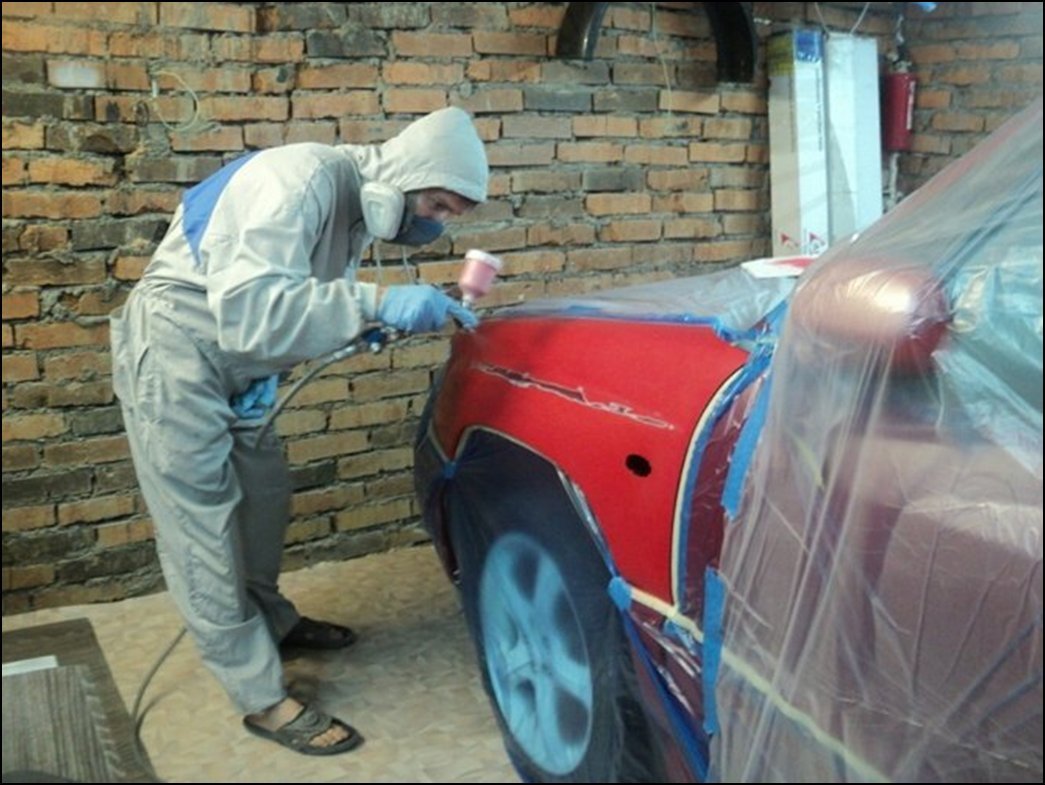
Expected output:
(898, 114)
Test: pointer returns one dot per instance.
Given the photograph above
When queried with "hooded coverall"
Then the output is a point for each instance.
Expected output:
(254, 275)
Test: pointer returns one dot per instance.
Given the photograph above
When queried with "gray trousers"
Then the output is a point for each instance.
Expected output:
(220, 503)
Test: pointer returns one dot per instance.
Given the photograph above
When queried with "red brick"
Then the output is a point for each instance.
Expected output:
(548, 17)
(99, 508)
(533, 262)
(604, 125)
(961, 122)
(625, 73)
(323, 133)
(544, 181)
(374, 514)
(529, 127)
(43, 237)
(20, 456)
(164, 44)
(208, 16)
(628, 18)
(962, 75)
(337, 77)
(203, 80)
(28, 9)
(515, 155)
(643, 231)
(127, 76)
(22, 136)
(57, 39)
(571, 234)
(32, 426)
(691, 228)
(364, 414)
(232, 48)
(129, 268)
(112, 535)
(513, 43)
(403, 100)
(732, 200)
(238, 108)
(716, 152)
(727, 128)
(20, 367)
(431, 44)
(927, 98)
(63, 205)
(45, 272)
(729, 250)
(104, 449)
(615, 204)
(684, 203)
(59, 335)
(139, 199)
(744, 224)
(24, 518)
(374, 386)
(656, 155)
(485, 100)
(326, 446)
(77, 366)
(272, 80)
(428, 355)
(590, 152)
(744, 103)
(930, 143)
(279, 48)
(639, 46)
(28, 576)
(688, 179)
(313, 502)
(321, 390)
(109, 13)
(72, 171)
(301, 421)
(96, 302)
(405, 72)
(504, 71)
(993, 50)
(683, 101)
(131, 109)
(20, 305)
(599, 259)
(675, 125)
(226, 138)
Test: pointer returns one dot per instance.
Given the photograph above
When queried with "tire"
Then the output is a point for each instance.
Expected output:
(549, 641)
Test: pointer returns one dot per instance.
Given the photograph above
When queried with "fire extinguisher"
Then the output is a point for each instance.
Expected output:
(898, 111)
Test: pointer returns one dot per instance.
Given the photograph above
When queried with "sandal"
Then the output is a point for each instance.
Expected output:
(307, 725)
(311, 634)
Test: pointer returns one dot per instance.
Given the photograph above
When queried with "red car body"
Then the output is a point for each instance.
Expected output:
(719, 529)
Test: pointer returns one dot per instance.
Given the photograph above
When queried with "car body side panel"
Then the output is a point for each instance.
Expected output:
(551, 381)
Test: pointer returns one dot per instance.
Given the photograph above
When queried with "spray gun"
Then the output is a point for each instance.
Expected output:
(477, 276)
(476, 279)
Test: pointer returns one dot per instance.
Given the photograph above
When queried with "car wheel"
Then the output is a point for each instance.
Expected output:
(550, 644)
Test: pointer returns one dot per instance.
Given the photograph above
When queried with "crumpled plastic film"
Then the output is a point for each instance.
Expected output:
(883, 612)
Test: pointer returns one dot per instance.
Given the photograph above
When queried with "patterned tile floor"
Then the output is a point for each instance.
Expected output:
(410, 683)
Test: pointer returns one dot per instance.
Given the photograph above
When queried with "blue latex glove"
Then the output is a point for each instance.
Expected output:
(421, 308)
(255, 402)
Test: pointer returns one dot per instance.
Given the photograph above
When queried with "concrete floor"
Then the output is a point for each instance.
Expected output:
(410, 684)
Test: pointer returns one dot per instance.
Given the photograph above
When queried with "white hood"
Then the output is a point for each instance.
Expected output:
(440, 150)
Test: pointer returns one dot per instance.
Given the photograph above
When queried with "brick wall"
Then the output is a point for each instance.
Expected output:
(633, 166)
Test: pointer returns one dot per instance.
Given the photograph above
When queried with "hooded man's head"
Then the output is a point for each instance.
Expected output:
(441, 150)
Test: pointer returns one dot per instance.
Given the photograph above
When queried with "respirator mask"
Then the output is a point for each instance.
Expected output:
(390, 215)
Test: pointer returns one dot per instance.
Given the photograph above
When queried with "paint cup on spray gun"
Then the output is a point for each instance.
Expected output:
(477, 276)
